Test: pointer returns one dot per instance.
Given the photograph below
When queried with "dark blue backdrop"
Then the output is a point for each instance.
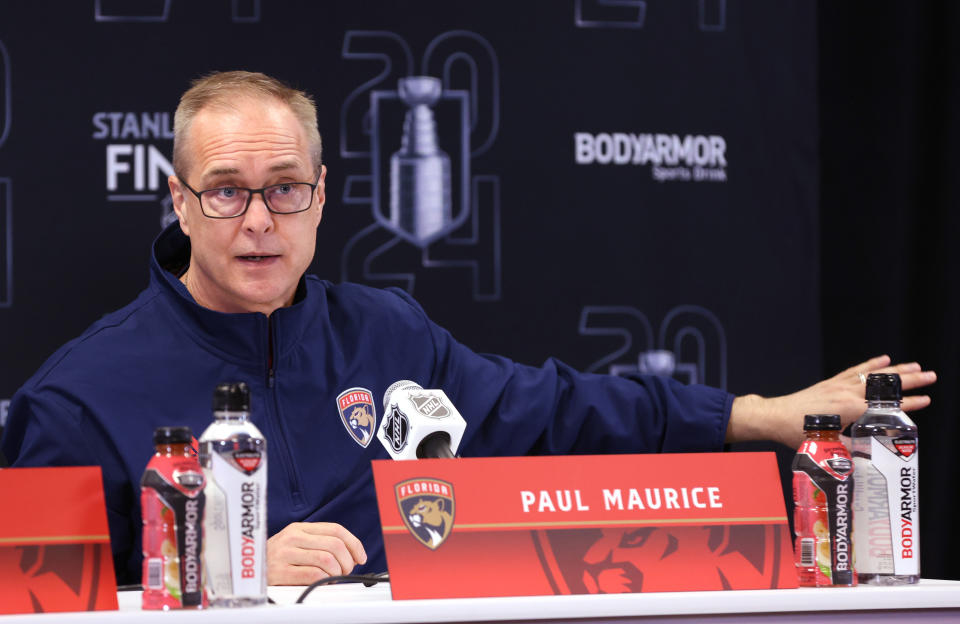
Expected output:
(635, 184)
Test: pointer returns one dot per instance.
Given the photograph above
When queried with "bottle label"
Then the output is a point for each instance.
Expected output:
(173, 539)
(823, 485)
(219, 580)
(155, 573)
(237, 524)
(887, 520)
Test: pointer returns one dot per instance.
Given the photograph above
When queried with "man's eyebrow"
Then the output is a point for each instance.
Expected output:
(221, 171)
(224, 171)
(284, 166)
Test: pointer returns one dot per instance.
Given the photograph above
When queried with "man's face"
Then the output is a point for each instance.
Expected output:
(250, 263)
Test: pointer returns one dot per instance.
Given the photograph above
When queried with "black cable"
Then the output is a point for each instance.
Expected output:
(368, 580)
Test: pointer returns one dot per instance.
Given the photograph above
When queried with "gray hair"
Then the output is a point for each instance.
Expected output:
(221, 87)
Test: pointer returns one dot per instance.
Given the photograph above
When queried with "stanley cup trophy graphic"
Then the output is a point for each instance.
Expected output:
(420, 201)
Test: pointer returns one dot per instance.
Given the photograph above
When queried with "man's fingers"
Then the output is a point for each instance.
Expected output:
(295, 564)
(869, 366)
(909, 381)
(304, 552)
(900, 369)
(327, 554)
(299, 575)
(911, 374)
(911, 403)
(352, 543)
(322, 528)
(356, 548)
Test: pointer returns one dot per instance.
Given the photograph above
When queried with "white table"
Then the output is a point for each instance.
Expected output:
(930, 600)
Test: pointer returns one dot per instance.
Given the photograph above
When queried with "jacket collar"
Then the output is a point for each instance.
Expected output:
(243, 338)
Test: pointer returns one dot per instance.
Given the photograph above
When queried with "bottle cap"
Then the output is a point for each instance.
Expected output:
(883, 387)
(172, 435)
(232, 397)
(821, 422)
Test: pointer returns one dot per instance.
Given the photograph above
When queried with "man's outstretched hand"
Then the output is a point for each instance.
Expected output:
(781, 418)
(305, 552)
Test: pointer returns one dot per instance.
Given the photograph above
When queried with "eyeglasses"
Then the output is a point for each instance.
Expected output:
(227, 202)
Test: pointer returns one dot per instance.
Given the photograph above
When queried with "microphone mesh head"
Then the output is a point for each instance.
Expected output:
(403, 383)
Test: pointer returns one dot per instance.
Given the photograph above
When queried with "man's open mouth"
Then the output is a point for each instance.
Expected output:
(255, 258)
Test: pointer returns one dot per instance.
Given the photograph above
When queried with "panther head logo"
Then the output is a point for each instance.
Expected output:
(620, 560)
(427, 507)
(358, 414)
(430, 518)
(362, 421)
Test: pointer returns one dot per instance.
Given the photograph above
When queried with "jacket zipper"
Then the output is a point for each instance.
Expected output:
(285, 454)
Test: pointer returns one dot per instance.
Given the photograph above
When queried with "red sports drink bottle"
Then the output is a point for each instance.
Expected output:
(823, 498)
(172, 502)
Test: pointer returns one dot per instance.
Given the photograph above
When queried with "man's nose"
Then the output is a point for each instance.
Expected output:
(258, 218)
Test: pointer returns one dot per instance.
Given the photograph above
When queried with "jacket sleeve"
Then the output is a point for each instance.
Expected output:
(513, 409)
(46, 428)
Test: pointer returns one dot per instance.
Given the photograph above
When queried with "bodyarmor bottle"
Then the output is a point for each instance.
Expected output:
(233, 453)
(886, 516)
(822, 494)
(172, 504)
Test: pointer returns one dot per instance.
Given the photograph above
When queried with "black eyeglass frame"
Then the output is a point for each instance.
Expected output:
(313, 187)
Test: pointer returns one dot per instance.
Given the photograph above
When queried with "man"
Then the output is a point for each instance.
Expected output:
(228, 300)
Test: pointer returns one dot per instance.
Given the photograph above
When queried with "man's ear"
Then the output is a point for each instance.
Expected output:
(321, 193)
(179, 202)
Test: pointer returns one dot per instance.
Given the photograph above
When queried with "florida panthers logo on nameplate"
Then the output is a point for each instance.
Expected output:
(358, 414)
(427, 508)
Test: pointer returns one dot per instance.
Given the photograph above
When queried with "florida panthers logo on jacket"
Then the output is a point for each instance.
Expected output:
(358, 413)
(427, 508)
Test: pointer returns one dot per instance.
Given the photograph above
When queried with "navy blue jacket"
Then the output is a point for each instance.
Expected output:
(156, 361)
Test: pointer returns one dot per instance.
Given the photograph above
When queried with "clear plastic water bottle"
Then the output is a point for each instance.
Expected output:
(233, 454)
(886, 498)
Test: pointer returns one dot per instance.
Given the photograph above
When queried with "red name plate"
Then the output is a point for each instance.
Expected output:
(522, 526)
(54, 541)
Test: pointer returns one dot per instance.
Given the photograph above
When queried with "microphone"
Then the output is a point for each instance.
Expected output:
(418, 423)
